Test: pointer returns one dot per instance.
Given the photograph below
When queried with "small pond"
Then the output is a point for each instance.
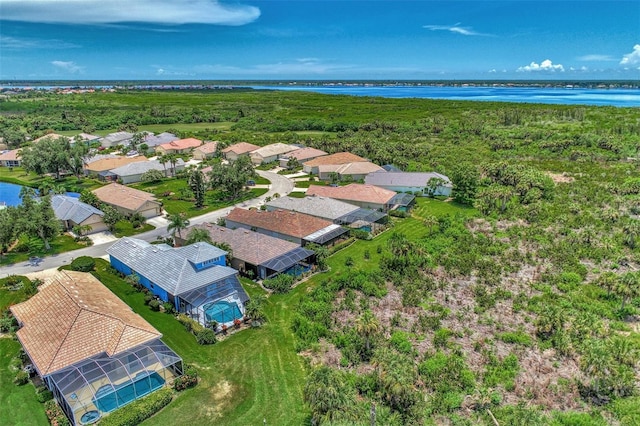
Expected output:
(10, 194)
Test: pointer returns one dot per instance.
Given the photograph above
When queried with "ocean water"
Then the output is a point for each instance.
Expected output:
(539, 95)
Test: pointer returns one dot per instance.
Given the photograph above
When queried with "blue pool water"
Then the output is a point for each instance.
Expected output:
(297, 270)
(10, 194)
(90, 417)
(107, 399)
(222, 312)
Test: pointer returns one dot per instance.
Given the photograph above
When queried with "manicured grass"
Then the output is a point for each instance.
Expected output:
(173, 205)
(297, 194)
(20, 177)
(306, 183)
(250, 376)
(124, 228)
(259, 180)
(429, 206)
(60, 244)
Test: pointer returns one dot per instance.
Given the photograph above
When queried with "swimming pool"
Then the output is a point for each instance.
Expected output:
(108, 399)
(221, 311)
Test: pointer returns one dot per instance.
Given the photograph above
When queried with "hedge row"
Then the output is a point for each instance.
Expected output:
(140, 410)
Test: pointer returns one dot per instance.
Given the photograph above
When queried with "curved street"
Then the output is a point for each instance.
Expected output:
(279, 185)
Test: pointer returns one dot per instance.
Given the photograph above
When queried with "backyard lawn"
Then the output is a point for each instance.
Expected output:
(20, 177)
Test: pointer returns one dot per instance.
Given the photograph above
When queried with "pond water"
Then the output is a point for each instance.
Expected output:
(10, 194)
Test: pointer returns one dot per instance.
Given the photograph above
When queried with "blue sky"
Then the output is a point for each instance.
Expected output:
(330, 39)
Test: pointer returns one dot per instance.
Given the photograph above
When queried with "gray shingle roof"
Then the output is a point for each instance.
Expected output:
(171, 269)
(404, 178)
(140, 167)
(326, 208)
(69, 208)
(159, 139)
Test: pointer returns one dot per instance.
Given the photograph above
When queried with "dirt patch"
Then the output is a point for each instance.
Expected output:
(325, 354)
(561, 177)
(220, 395)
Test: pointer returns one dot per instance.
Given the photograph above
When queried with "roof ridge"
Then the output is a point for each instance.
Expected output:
(66, 336)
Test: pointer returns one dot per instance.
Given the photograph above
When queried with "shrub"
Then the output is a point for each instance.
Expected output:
(21, 378)
(516, 337)
(190, 324)
(400, 341)
(154, 305)
(361, 234)
(55, 414)
(43, 394)
(83, 264)
(206, 337)
(168, 307)
(188, 380)
(148, 299)
(139, 410)
(280, 284)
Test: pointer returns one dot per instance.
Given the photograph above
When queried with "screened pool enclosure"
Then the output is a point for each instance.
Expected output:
(101, 384)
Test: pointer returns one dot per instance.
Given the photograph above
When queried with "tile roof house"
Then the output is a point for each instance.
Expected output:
(367, 196)
(413, 182)
(154, 140)
(339, 212)
(233, 152)
(302, 155)
(129, 200)
(99, 167)
(51, 136)
(193, 278)
(337, 159)
(82, 340)
(10, 158)
(115, 139)
(206, 150)
(353, 171)
(179, 146)
(71, 212)
(132, 172)
(252, 251)
(270, 153)
(292, 226)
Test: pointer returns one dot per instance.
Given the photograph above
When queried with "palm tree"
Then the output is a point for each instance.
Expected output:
(163, 159)
(198, 235)
(253, 310)
(367, 326)
(631, 232)
(177, 223)
(628, 287)
(608, 281)
(430, 221)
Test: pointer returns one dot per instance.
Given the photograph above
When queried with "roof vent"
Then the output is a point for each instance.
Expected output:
(195, 245)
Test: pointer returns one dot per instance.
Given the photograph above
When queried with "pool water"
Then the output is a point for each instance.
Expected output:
(107, 399)
(222, 312)
(90, 417)
(298, 270)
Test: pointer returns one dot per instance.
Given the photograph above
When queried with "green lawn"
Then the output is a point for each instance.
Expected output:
(124, 228)
(159, 128)
(60, 244)
(259, 180)
(20, 177)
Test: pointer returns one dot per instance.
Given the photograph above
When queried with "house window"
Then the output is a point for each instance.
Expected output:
(151, 285)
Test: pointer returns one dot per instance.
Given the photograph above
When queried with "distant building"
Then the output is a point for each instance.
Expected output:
(264, 255)
(205, 151)
(101, 167)
(115, 139)
(270, 153)
(193, 278)
(50, 136)
(361, 195)
(301, 155)
(351, 171)
(129, 200)
(10, 158)
(235, 151)
(179, 146)
(337, 159)
(71, 212)
(152, 140)
(132, 172)
(412, 182)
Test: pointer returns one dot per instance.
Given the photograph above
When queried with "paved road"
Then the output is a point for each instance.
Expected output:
(279, 184)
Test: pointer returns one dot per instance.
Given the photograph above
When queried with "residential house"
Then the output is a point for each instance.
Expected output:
(361, 195)
(71, 212)
(263, 255)
(129, 200)
(337, 159)
(132, 172)
(152, 140)
(10, 158)
(101, 167)
(205, 151)
(90, 349)
(179, 146)
(270, 153)
(357, 170)
(86, 138)
(193, 278)
(291, 226)
(413, 182)
(338, 212)
(115, 139)
(233, 152)
(50, 136)
(301, 155)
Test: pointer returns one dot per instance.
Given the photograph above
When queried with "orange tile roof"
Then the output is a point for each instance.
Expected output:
(74, 317)
(208, 148)
(337, 158)
(111, 163)
(10, 155)
(294, 224)
(305, 153)
(354, 192)
(124, 196)
(182, 144)
(241, 148)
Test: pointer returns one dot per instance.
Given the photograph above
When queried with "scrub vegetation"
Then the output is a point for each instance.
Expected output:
(515, 302)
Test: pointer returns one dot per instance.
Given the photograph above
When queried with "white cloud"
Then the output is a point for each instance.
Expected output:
(632, 58)
(544, 66)
(21, 43)
(456, 29)
(596, 58)
(114, 11)
(68, 66)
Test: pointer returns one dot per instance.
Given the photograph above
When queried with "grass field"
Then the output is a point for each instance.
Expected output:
(60, 244)
(20, 177)
(159, 128)
(124, 228)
